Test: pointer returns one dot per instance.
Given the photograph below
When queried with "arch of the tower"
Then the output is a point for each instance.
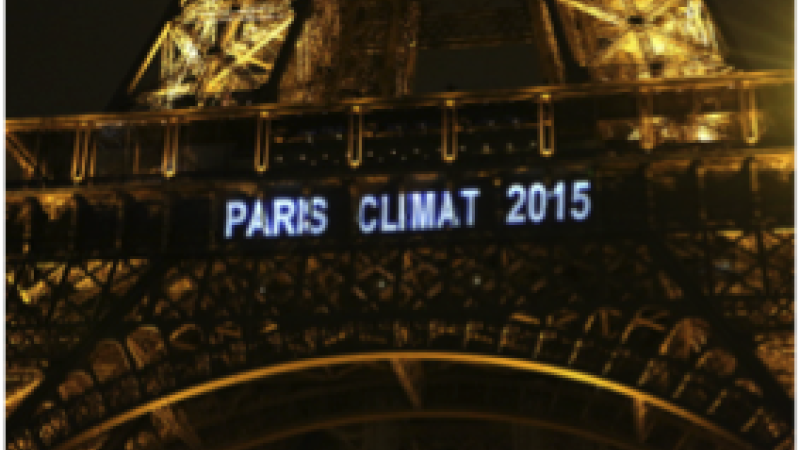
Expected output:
(172, 329)
(360, 398)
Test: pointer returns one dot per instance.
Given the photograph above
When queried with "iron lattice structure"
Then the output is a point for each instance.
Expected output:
(664, 322)
(211, 50)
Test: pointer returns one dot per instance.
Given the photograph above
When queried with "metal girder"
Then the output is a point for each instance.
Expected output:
(19, 384)
(292, 343)
(171, 417)
(744, 351)
(207, 50)
(269, 93)
(547, 127)
(23, 155)
(548, 54)
(107, 325)
(119, 436)
(175, 420)
(629, 40)
(573, 71)
(367, 48)
(409, 375)
(640, 410)
(461, 389)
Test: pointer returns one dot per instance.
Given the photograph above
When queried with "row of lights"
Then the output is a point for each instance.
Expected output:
(485, 149)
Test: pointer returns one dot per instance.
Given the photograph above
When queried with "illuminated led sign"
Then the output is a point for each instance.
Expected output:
(417, 211)
(280, 216)
(531, 202)
(471, 206)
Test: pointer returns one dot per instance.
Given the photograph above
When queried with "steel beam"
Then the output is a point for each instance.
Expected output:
(109, 322)
(409, 375)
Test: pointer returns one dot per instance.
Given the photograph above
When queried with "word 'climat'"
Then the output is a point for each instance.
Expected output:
(281, 216)
(417, 211)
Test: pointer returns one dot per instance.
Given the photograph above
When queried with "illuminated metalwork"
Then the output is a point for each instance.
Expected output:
(215, 50)
(223, 321)
(133, 323)
(633, 39)
(212, 50)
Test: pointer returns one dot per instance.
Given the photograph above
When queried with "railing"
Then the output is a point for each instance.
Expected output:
(430, 132)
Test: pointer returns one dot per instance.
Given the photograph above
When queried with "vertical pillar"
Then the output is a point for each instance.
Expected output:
(80, 151)
(355, 137)
(748, 113)
(169, 165)
(646, 128)
(263, 136)
(449, 131)
(546, 44)
(547, 136)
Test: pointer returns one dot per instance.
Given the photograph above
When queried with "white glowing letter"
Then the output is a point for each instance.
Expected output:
(423, 213)
(580, 196)
(320, 205)
(537, 202)
(367, 227)
(447, 212)
(386, 226)
(514, 217)
(236, 212)
(302, 217)
(401, 211)
(284, 209)
(558, 194)
(470, 194)
(258, 221)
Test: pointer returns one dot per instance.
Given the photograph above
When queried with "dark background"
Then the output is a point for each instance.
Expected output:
(68, 57)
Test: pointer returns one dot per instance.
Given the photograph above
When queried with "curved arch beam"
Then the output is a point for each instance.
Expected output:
(357, 419)
(312, 363)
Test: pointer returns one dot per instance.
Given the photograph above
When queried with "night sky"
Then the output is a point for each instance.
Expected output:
(68, 57)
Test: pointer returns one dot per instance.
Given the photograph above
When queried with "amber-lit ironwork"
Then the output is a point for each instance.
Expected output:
(664, 322)
(633, 39)
(215, 48)
(366, 48)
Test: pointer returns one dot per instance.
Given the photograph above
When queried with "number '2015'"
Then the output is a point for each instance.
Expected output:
(530, 203)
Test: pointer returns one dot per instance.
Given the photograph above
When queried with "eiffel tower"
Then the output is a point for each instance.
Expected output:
(273, 242)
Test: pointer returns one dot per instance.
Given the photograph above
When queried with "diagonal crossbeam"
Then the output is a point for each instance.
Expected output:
(21, 153)
(118, 436)
(597, 13)
(659, 9)
(408, 374)
(302, 12)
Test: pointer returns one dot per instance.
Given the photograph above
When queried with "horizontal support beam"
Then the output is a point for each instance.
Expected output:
(753, 80)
